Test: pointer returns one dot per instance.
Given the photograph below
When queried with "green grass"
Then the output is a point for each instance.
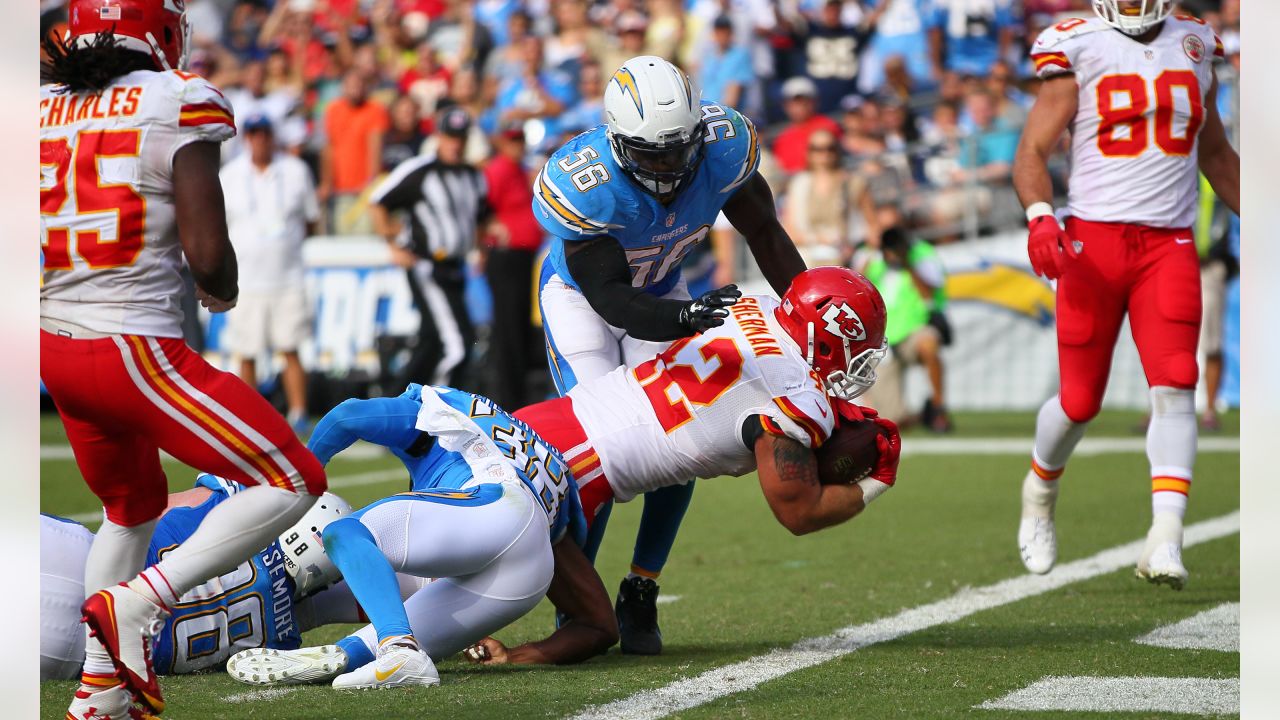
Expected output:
(747, 586)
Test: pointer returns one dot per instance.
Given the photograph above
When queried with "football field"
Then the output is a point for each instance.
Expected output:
(918, 609)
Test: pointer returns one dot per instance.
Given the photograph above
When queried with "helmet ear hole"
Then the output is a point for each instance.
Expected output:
(824, 350)
(168, 36)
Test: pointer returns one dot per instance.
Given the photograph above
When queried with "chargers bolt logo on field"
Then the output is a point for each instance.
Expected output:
(842, 320)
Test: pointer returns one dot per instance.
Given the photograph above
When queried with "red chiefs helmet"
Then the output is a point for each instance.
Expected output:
(837, 318)
(154, 27)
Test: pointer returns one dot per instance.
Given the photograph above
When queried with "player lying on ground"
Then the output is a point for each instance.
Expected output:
(129, 192)
(268, 601)
(624, 203)
(1138, 92)
(492, 513)
(748, 415)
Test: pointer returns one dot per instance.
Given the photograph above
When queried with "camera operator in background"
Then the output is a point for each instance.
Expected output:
(910, 277)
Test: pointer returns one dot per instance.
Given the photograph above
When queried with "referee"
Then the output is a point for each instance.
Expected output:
(444, 201)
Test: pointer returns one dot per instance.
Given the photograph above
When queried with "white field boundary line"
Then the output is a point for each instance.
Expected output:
(1193, 696)
(1217, 628)
(256, 695)
(746, 675)
(336, 482)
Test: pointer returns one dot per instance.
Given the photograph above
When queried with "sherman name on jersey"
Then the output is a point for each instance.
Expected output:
(107, 231)
(581, 193)
(1141, 109)
(682, 414)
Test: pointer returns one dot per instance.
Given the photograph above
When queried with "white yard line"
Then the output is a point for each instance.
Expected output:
(1193, 696)
(256, 695)
(742, 676)
(1214, 629)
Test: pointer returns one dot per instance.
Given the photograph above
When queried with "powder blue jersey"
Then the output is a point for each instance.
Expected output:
(401, 425)
(581, 193)
(249, 607)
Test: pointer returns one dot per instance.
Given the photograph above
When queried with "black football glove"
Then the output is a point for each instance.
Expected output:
(710, 310)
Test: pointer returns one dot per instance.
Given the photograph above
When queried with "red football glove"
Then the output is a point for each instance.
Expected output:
(850, 412)
(889, 443)
(1046, 245)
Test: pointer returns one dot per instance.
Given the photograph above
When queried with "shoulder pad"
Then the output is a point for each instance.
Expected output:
(731, 144)
(203, 104)
(1200, 27)
(571, 213)
(1053, 50)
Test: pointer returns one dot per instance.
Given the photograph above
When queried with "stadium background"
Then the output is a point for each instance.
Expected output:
(909, 123)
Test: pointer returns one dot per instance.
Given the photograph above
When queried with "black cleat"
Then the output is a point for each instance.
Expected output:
(637, 611)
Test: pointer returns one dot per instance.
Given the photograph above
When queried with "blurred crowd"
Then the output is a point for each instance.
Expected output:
(875, 115)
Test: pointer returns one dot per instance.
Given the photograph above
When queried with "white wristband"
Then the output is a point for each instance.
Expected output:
(871, 489)
(1039, 209)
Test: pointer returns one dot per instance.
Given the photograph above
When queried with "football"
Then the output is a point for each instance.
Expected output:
(850, 454)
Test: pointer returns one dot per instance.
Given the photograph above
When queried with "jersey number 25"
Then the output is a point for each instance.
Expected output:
(123, 208)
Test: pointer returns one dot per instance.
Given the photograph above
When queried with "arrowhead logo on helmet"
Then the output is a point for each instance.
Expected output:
(842, 320)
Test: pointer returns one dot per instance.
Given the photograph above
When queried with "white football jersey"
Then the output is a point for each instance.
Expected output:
(1135, 135)
(681, 414)
(108, 239)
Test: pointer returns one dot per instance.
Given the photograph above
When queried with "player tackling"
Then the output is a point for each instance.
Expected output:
(1137, 91)
(129, 154)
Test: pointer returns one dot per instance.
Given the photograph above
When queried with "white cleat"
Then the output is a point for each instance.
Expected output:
(1037, 544)
(304, 666)
(397, 666)
(1161, 564)
(114, 703)
(1037, 536)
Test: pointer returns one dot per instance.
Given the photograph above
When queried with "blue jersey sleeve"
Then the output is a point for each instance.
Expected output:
(383, 421)
(576, 195)
(732, 149)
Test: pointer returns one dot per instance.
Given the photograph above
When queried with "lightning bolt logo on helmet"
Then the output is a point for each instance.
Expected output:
(842, 320)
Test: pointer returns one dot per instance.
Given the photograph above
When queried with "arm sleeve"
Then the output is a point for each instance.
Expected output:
(388, 422)
(400, 189)
(600, 266)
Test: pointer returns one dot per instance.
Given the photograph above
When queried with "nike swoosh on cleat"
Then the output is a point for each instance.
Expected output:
(382, 676)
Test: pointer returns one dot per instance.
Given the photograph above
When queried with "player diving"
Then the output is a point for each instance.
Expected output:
(1138, 91)
(624, 203)
(789, 371)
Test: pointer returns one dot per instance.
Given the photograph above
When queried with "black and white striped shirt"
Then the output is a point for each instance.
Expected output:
(444, 203)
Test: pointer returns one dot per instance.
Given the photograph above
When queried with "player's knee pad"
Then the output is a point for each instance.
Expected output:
(1080, 405)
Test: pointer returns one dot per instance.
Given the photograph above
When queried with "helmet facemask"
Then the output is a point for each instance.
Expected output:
(659, 167)
(859, 373)
(1149, 14)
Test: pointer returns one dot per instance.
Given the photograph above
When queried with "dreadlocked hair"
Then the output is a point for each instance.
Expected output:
(89, 67)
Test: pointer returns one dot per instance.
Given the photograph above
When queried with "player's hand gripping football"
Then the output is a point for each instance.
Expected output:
(1047, 243)
(889, 443)
(710, 310)
(213, 304)
(487, 652)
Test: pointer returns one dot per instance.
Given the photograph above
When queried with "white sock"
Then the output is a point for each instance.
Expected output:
(1056, 437)
(117, 554)
(1171, 449)
(238, 527)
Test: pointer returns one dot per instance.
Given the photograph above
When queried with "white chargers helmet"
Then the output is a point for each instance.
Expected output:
(304, 557)
(654, 123)
(1133, 17)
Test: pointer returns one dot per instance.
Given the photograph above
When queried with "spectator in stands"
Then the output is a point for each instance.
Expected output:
(575, 40)
(507, 60)
(967, 36)
(352, 153)
(1012, 104)
(725, 73)
(831, 49)
(535, 92)
(988, 153)
(589, 110)
(252, 97)
(511, 253)
(819, 202)
(271, 209)
(860, 123)
(427, 81)
(791, 147)
(665, 35)
(901, 33)
(632, 29)
(404, 137)
(910, 277)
